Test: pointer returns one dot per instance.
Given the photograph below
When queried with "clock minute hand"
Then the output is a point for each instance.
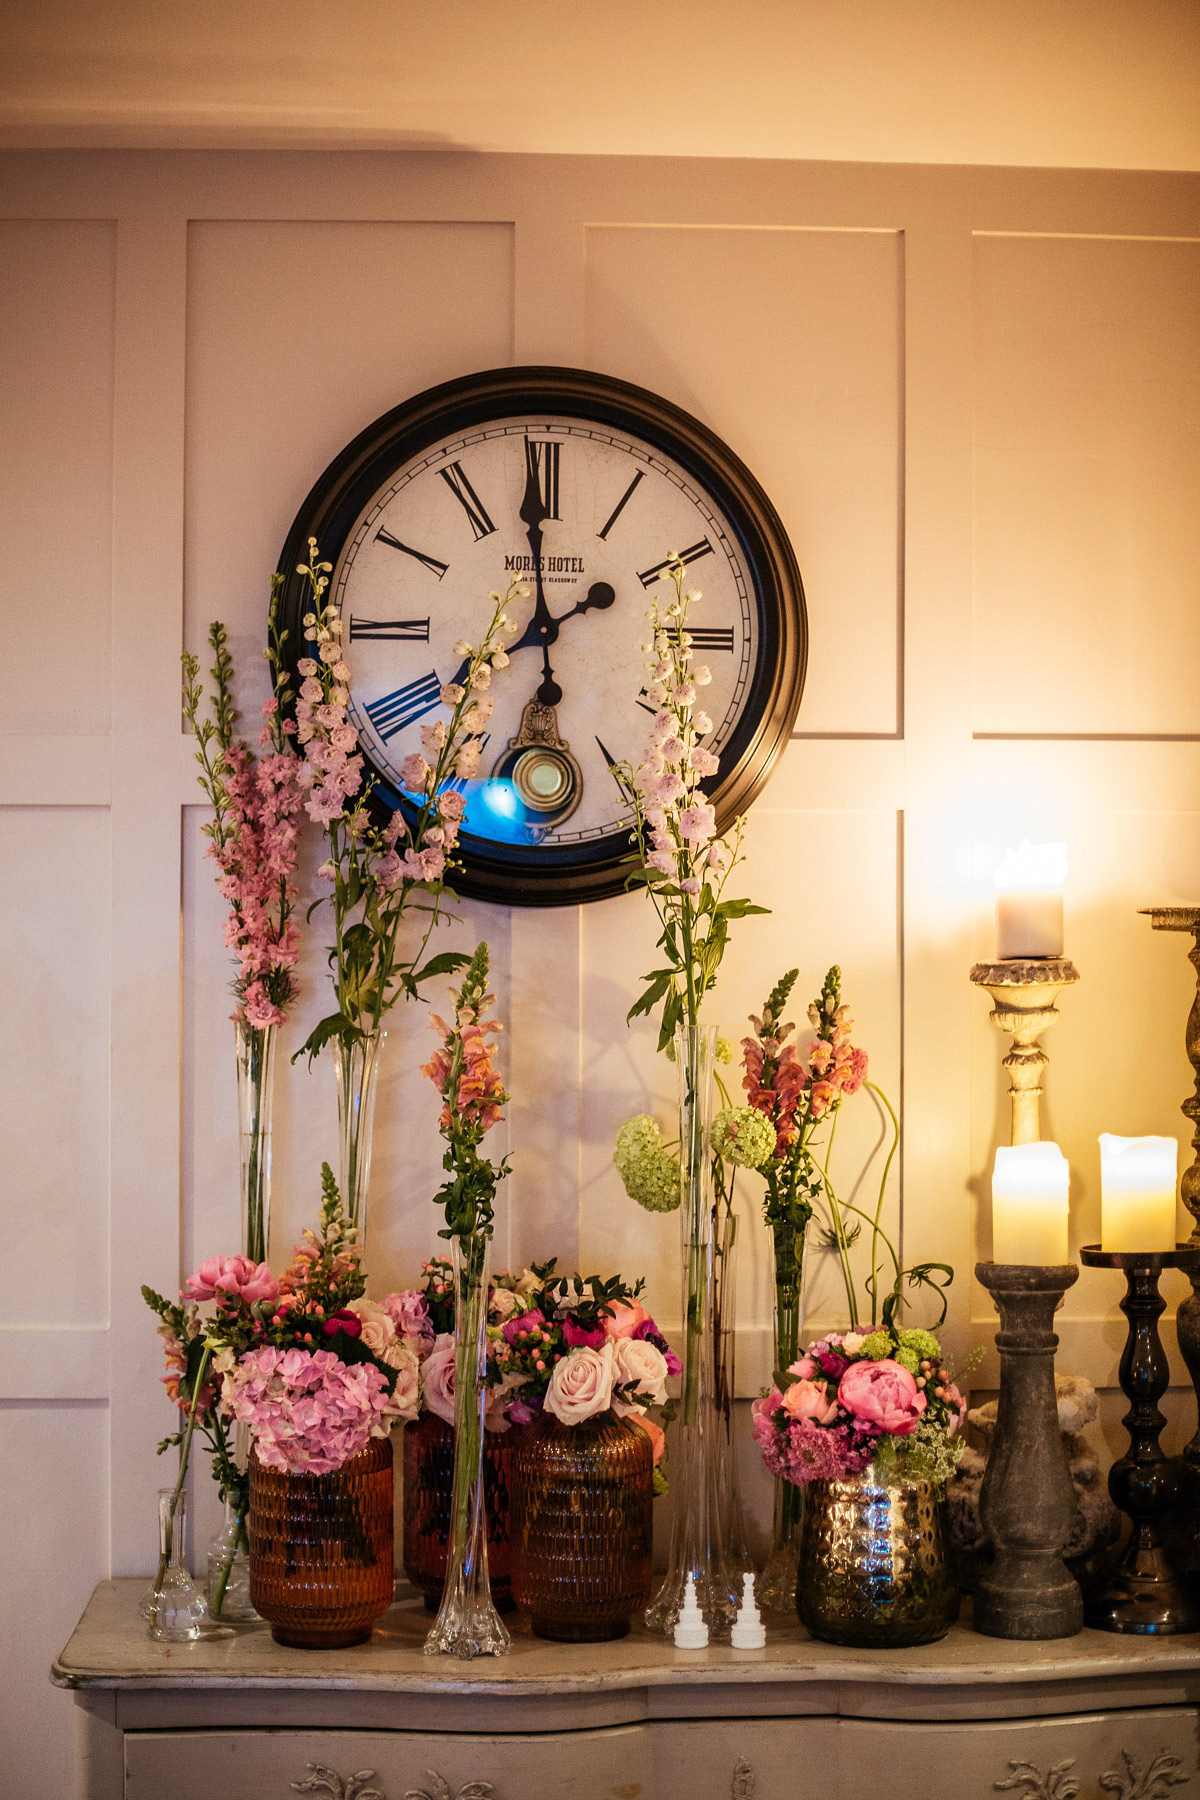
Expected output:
(542, 628)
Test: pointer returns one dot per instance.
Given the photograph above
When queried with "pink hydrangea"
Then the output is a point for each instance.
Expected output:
(308, 1412)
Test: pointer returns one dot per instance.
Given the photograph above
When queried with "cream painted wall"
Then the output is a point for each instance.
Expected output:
(974, 397)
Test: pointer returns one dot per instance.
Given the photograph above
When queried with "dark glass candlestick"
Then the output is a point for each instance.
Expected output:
(1141, 1594)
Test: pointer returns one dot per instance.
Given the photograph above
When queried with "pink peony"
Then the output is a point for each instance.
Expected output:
(581, 1385)
(808, 1400)
(526, 1321)
(883, 1396)
(231, 1278)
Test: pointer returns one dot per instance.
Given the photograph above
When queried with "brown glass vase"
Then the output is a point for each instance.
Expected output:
(428, 1481)
(582, 1526)
(321, 1549)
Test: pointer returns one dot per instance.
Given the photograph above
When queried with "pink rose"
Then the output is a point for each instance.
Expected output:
(578, 1338)
(581, 1385)
(807, 1400)
(805, 1369)
(625, 1319)
(634, 1360)
(405, 1400)
(883, 1395)
(231, 1278)
(437, 1378)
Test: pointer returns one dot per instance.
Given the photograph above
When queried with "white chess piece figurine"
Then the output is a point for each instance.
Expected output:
(749, 1632)
(691, 1633)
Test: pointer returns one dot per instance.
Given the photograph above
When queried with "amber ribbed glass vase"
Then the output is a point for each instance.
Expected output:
(428, 1480)
(582, 1526)
(321, 1549)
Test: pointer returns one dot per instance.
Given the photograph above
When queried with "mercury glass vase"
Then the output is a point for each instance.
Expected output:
(697, 1546)
(321, 1549)
(775, 1590)
(583, 1527)
(356, 1067)
(729, 1489)
(467, 1623)
(256, 1046)
(874, 1564)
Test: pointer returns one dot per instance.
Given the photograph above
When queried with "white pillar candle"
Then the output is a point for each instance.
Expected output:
(1137, 1193)
(1030, 1186)
(1029, 900)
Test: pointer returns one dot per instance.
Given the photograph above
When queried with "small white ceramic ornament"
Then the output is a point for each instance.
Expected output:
(691, 1633)
(749, 1632)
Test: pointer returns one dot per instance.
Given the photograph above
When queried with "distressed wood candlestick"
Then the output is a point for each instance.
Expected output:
(1142, 1594)
(1027, 1503)
(1023, 991)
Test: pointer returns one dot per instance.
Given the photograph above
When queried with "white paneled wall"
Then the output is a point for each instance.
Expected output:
(974, 397)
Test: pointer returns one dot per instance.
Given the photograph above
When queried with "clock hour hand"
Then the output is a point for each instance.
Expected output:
(598, 597)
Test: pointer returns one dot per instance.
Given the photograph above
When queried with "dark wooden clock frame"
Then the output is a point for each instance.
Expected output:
(525, 875)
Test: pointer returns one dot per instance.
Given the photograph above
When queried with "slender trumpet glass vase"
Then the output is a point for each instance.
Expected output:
(729, 1488)
(256, 1046)
(356, 1066)
(467, 1623)
(775, 1590)
(697, 1547)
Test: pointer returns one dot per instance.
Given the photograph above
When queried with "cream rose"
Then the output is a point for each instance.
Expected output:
(503, 1304)
(635, 1360)
(378, 1331)
(581, 1385)
(405, 1398)
(437, 1378)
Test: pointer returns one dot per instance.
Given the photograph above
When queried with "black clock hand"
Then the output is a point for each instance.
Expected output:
(542, 627)
(599, 596)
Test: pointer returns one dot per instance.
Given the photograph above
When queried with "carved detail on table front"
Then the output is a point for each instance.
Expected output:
(473, 1790)
(744, 1785)
(339, 1787)
(1057, 1783)
(1136, 1783)
(1165, 1771)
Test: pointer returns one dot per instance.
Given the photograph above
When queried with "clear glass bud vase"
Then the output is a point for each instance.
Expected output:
(174, 1606)
(729, 1487)
(256, 1094)
(357, 1067)
(467, 1623)
(697, 1542)
(775, 1589)
(228, 1584)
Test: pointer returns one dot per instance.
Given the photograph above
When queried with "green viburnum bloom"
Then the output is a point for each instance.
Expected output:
(876, 1345)
(908, 1359)
(743, 1135)
(724, 1050)
(922, 1343)
(646, 1167)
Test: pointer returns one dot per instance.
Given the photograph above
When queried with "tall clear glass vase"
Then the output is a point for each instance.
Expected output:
(256, 1047)
(729, 1487)
(467, 1623)
(697, 1546)
(775, 1589)
(357, 1067)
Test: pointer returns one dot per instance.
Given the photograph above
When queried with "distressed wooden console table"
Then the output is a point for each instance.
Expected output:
(237, 1718)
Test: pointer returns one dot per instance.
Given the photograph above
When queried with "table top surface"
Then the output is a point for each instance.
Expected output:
(110, 1648)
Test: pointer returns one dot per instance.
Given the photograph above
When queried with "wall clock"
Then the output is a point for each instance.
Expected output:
(582, 485)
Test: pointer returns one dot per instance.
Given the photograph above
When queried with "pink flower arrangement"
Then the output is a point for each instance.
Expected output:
(308, 1412)
(853, 1400)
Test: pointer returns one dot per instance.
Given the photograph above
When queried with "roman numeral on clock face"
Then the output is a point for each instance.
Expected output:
(711, 637)
(394, 630)
(541, 466)
(405, 706)
(692, 554)
(472, 505)
(429, 562)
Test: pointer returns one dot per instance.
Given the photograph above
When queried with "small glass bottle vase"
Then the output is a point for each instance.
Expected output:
(228, 1584)
(775, 1590)
(256, 1097)
(697, 1546)
(356, 1067)
(174, 1607)
(467, 1623)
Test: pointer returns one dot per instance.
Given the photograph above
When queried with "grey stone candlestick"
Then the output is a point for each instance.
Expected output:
(1027, 1502)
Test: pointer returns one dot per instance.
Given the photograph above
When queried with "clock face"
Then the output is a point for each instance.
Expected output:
(582, 498)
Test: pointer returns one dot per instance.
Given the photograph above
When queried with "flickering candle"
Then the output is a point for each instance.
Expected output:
(1030, 1186)
(1029, 901)
(1137, 1193)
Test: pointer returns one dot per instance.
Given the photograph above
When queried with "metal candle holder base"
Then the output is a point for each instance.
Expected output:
(1027, 1503)
(1141, 1594)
